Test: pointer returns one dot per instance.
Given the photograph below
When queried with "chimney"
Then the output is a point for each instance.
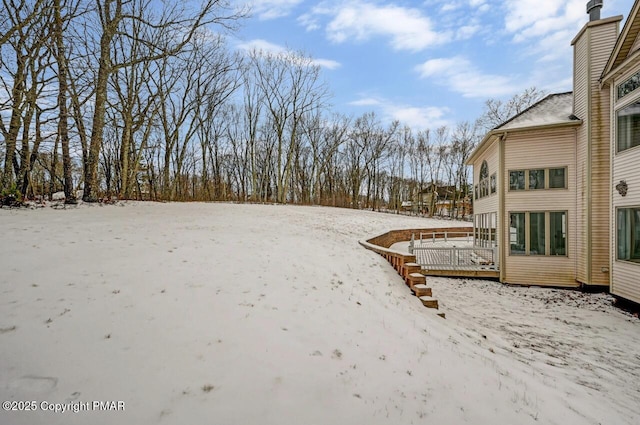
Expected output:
(593, 9)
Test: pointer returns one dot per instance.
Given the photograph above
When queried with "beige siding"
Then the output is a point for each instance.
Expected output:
(580, 93)
(553, 148)
(624, 275)
(625, 167)
(489, 203)
(603, 40)
(625, 282)
(592, 50)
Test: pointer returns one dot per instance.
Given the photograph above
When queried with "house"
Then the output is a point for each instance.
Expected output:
(453, 208)
(621, 77)
(527, 204)
(557, 187)
(444, 201)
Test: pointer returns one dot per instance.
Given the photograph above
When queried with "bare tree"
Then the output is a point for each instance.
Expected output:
(22, 75)
(497, 112)
(157, 32)
(59, 22)
(464, 139)
(397, 158)
(15, 16)
(290, 88)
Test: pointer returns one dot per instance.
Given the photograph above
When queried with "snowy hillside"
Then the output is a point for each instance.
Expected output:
(258, 314)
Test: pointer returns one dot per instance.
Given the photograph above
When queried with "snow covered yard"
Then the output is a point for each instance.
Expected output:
(259, 314)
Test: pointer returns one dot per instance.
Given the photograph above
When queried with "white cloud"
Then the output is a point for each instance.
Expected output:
(530, 19)
(555, 47)
(407, 28)
(449, 6)
(416, 117)
(276, 49)
(327, 63)
(421, 118)
(461, 76)
(467, 31)
(263, 46)
(367, 101)
(271, 9)
(309, 21)
(543, 29)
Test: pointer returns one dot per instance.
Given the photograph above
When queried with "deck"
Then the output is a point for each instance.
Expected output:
(452, 255)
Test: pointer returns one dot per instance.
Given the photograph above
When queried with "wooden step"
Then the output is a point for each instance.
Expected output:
(410, 268)
(416, 279)
(422, 290)
(429, 302)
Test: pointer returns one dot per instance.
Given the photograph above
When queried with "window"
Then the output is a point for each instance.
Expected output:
(557, 178)
(539, 233)
(484, 170)
(484, 187)
(628, 234)
(485, 230)
(516, 233)
(558, 233)
(536, 179)
(629, 85)
(536, 234)
(516, 180)
(542, 178)
(493, 183)
(628, 129)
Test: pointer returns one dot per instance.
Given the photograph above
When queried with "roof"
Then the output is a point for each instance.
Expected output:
(555, 110)
(626, 40)
(552, 110)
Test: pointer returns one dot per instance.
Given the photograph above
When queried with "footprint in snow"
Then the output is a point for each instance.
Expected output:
(32, 384)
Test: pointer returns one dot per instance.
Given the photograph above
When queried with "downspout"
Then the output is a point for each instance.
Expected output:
(576, 211)
(612, 211)
(502, 247)
(589, 159)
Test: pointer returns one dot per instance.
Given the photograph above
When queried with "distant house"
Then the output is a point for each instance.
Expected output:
(407, 206)
(557, 187)
(454, 208)
(446, 201)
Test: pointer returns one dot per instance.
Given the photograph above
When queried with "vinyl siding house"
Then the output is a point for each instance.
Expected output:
(621, 77)
(549, 182)
(526, 204)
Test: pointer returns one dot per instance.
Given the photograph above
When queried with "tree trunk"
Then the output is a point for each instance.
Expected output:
(91, 184)
(63, 120)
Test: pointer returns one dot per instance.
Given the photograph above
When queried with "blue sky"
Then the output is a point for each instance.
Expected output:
(426, 63)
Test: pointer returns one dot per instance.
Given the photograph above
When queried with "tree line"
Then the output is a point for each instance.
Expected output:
(139, 99)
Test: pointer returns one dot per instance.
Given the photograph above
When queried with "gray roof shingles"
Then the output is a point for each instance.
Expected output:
(553, 109)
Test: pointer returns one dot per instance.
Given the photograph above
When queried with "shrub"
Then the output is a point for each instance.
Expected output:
(11, 197)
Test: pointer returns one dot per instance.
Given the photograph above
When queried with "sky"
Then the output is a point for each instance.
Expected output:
(426, 63)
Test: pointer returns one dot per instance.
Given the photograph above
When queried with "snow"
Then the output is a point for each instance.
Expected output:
(261, 314)
(554, 109)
